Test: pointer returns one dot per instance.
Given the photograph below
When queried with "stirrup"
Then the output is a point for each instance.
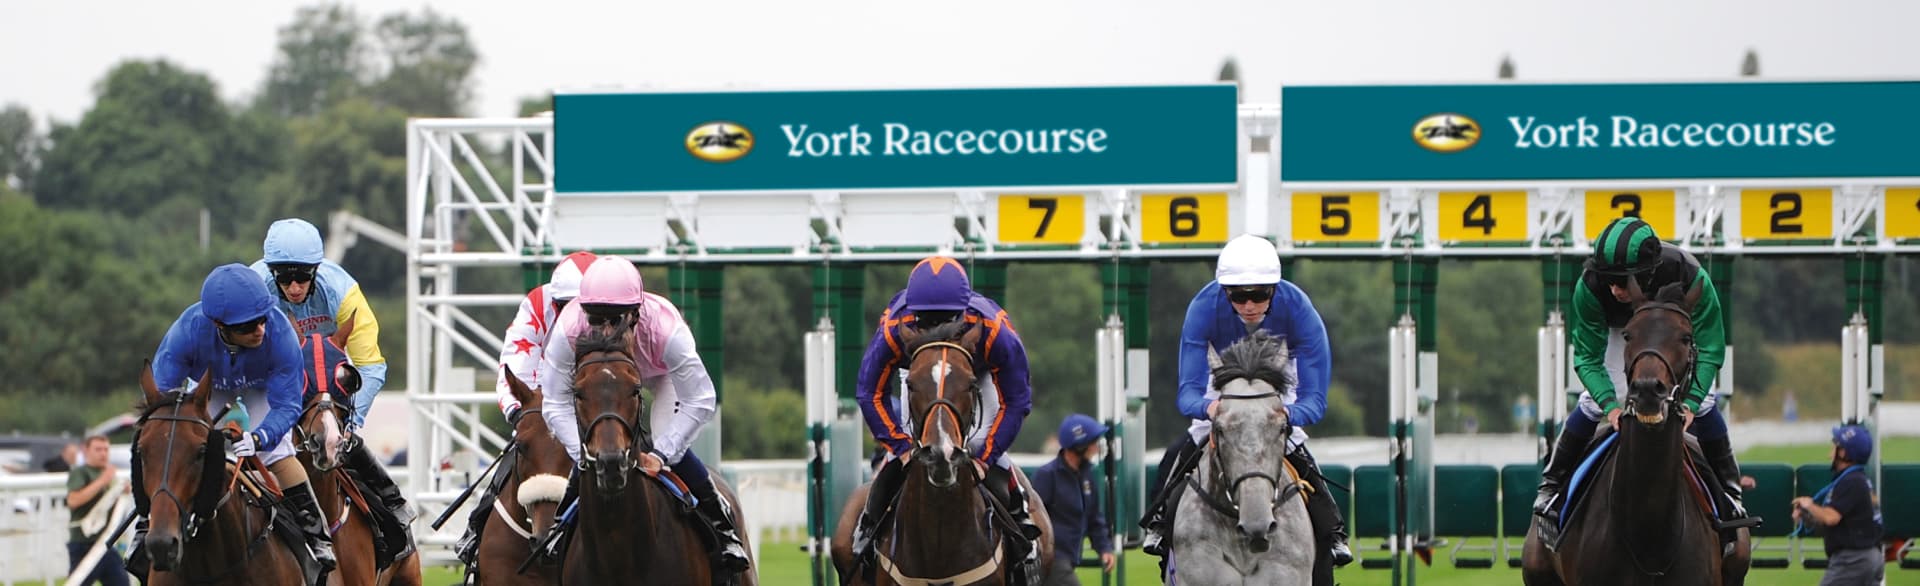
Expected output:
(1153, 543)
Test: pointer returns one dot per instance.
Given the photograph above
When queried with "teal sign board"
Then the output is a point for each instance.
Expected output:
(1621, 131)
(912, 139)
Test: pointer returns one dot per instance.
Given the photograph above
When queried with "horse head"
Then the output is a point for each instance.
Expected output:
(331, 381)
(943, 398)
(1247, 463)
(606, 390)
(182, 462)
(1659, 351)
(540, 463)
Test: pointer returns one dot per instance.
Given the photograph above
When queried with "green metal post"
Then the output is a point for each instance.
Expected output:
(1415, 280)
(837, 292)
(989, 278)
(697, 290)
(1123, 291)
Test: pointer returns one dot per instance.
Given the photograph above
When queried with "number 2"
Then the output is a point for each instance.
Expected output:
(1484, 204)
(1043, 203)
(1328, 212)
(1781, 216)
(1183, 223)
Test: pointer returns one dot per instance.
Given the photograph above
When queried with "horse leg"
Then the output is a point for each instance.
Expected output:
(1733, 571)
(1536, 563)
(841, 547)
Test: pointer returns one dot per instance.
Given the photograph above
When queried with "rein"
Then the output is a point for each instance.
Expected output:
(191, 527)
(1224, 501)
(942, 403)
(1672, 407)
(635, 430)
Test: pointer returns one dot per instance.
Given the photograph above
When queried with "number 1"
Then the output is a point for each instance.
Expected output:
(1048, 204)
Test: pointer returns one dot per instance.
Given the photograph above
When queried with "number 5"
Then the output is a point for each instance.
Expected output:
(1328, 212)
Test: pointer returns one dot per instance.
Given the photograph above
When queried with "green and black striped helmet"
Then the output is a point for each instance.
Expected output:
(1627, 246)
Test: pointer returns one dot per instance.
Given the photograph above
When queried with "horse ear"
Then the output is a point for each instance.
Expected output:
(1671, 293)
(519, 389)
(1213, 359)
(1635, 296)
(204, 389)
(1693, 297)
(147, 387)
(340, 335)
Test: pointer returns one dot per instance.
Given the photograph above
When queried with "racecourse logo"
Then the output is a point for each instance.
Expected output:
(1446, 133)
(719, 142)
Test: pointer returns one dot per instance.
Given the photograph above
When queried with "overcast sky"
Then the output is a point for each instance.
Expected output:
(53, 51)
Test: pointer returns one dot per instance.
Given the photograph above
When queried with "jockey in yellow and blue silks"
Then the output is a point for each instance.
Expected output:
(318, 293)
(252, 355)
(1248, 295)
(938, 293)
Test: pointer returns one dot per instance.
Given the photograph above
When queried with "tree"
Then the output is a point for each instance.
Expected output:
(1506, 67)
(1750, 66)
(322, 59)
(428, 63)
(20, 146)
(534, 105)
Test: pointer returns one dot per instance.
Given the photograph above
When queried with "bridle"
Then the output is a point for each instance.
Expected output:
(311, 443)
(192, 521)
(1673, 374)
(636, 431)
(1222, 497)
(943, 404)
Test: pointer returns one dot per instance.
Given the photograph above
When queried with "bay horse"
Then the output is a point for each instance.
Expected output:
(204, 529)
(320, 440)
(1646, 518)
(1242, 498)
(530, 487)
(623, 533)
(941, 530)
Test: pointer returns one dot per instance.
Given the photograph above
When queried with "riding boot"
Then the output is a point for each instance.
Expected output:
(1330, 527)
(549, 551)
(1566, 455)
(468, 548)
(314, 523)
(1173, 469)
(1719, 454)
(886, 484)
(1014, 497)
(719, 514)
(361, 463)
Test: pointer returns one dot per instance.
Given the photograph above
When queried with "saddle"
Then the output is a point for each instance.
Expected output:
(261, 489)
(560, 538)
(1709, 494)
(1000, 518)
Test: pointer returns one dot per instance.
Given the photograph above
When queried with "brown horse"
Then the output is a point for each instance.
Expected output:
(330, 384)
(528, 500)
(179, 466)
(942, 530)
(623, 533)
(1645, 519)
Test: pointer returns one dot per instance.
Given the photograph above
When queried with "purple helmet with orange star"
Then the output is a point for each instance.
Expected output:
(938, 284)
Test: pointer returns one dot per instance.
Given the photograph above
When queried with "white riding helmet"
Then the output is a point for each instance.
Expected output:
(1248, 260)
(566, 277)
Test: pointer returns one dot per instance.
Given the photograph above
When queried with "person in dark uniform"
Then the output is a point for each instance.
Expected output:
(1849, 512)
(1073, 500)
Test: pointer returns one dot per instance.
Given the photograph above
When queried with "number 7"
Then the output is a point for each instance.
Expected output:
(1050, 205)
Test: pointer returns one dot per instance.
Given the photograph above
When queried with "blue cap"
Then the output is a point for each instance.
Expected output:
(234, 294)
(1078, 430)
(1855, 440)
(938, 284)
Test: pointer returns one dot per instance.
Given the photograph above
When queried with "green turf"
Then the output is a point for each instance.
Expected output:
(1893, 449)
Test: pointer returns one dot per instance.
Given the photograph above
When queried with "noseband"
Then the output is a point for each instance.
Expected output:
(635, 431)
(311, 443)
(1672, 373)
(942, 403)
(1227, 503)
(192, 521)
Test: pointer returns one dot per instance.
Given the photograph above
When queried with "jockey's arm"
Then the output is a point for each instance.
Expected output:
(693, 386)
(363, 348)
(1195, 337)
(521, 353)
(556, 366)
(1313, 359)
(1007, 361)
(870, 388)
(1587, 325)
(286, 383)
(1710, 336)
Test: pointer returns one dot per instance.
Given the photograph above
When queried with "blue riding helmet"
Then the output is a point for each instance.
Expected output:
(1078, 430)
(234, 294)
(938, 284)
(293, 241)
(1855, 441)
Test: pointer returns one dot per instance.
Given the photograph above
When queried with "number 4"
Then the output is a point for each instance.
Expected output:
(1483, 203)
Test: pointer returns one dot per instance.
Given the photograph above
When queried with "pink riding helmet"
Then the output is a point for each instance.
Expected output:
(611, 280)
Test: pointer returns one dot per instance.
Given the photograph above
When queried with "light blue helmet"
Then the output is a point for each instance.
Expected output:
(293, 241)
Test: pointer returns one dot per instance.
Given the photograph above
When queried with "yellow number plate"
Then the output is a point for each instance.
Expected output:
(1336, 217)
(1483, 216)
(1043, 219)
(1183, 217)
(1777, 214)
(1902, 213)
(1655, 207)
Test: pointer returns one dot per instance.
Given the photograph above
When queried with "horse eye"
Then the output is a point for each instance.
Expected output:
(1626, 337)
(1688, 339)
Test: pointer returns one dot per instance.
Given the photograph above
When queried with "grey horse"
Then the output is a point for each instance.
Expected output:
(1242, 518)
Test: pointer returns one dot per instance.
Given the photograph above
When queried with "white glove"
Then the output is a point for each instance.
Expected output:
(242, 448)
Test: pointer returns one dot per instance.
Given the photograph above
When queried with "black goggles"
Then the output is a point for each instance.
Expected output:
(289, 274)
(1253, 294)
(245, 327)
(607, 315)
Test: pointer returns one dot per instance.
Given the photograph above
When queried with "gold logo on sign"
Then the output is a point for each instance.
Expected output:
(719, 142)
(1446, 132)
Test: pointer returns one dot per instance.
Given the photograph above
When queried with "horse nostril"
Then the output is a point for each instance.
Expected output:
(1272, 526)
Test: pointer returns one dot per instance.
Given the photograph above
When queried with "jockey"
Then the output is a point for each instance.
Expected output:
(937, 293)
(255, 359)
(683, 395)
(1248, 295)
(1629, 248)
(526, 344)
(318, 293)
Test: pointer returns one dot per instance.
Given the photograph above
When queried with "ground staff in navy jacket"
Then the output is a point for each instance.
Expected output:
(1073, 499)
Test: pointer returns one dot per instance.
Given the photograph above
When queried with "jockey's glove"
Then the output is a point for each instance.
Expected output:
(244, 446)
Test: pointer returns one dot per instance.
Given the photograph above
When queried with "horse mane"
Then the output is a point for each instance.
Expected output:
(1258, 356)
(602, 339)
(1674, 293)
(947, 332)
